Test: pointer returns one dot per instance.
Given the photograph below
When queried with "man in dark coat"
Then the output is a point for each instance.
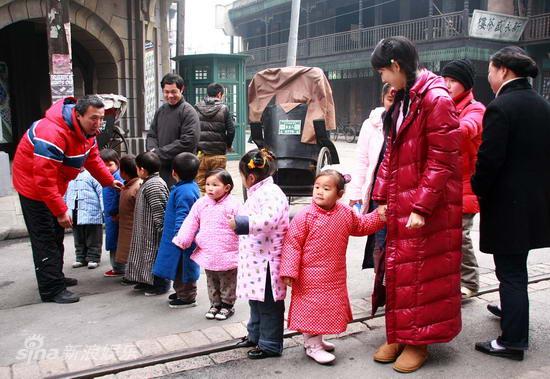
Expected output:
(217, 132)
(175, 127)
(512, 181)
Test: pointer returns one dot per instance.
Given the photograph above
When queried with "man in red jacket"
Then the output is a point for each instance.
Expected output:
(459, 76)
(49, 155)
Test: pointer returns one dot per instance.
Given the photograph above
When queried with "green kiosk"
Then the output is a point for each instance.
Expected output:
(226, 69)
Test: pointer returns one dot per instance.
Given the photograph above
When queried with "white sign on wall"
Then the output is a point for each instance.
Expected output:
(491, 25)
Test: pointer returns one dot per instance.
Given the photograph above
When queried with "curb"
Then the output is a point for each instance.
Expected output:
(13, 232)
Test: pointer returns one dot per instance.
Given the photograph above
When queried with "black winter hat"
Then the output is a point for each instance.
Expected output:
(461, 70)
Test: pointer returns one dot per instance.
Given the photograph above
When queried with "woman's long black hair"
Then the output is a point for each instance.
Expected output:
(401, 50)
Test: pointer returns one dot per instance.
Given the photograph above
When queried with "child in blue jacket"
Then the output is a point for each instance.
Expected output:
(110, 203)
(172, 262)
(84, 199)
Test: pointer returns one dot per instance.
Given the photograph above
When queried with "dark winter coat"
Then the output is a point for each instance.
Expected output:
(175, 129)
(421, 173)
(217, 128)
(182, 197)
(111, 198)
(512, 177)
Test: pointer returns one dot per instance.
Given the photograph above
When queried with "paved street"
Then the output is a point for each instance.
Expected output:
(111, 317)
(457, 359)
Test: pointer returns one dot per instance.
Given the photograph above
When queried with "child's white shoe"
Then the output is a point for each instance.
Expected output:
(327, 346)
(319, 355)
(92, 265)
(78, 264)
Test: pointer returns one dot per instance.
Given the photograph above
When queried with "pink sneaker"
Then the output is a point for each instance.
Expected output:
(319, 355)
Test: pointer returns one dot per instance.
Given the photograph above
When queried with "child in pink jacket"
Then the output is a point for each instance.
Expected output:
(217, 244)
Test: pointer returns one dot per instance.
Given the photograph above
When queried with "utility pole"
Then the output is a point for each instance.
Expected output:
(59, 49)
(293, 33)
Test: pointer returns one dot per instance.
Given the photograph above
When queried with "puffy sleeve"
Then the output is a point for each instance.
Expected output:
(443, 139)
(293, 246)
(189, 228)
(365, 224)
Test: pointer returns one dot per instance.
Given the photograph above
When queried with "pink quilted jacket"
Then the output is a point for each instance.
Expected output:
(217, 244)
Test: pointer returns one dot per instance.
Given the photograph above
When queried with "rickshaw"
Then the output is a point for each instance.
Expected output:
(112, 135)
(290, 111)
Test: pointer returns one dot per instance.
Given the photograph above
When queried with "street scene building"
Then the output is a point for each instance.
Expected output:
(116, 46)
(339, 36)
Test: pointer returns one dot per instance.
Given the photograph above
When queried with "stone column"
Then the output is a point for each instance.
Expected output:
(164, 40)
(501, 6)
(181, 28)
(59, 49)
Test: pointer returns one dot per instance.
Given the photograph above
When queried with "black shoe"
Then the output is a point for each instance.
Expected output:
(69, 282)
(173, 296)
(494, 309)
(142, 287)
(258, 353)
(485, 347)
(155, 291)
(64, 297)
(179, 303)
(126, 282)
(245, 342)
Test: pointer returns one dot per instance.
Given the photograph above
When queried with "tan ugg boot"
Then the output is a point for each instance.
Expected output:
(411, 359)
(388, 352)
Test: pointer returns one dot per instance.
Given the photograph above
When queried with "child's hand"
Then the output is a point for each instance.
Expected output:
(415, 221)
(353, 202)
(287, 281)
(382, 211)
(231, 222)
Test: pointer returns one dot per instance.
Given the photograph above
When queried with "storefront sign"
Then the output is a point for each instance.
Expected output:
(497, 26)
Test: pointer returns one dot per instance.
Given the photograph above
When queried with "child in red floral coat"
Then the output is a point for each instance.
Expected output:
(313, 262)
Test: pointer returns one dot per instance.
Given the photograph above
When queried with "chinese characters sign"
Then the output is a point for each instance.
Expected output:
(498, 26)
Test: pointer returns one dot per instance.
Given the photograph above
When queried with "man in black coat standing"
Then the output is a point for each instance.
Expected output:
(175, 127)
(512, 181)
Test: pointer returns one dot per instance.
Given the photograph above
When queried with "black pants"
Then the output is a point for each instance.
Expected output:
(46, 237)
(266, 324)
(511, 271)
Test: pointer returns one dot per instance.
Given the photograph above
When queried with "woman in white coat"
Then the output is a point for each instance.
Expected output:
(370, 151)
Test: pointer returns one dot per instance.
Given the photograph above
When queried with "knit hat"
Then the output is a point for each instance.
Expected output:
(461, 70)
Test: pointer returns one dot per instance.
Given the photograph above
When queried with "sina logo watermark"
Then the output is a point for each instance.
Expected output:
(33, 350)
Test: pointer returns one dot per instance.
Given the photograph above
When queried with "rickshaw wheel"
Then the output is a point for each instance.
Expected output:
(117, 142)
(324, 159)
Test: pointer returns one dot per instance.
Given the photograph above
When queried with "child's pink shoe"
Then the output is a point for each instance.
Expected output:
(319, 355)
(327, 346)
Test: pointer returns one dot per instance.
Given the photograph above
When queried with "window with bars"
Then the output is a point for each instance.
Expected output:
(201, 72)
(230, 92)
(228, 71)
(200, 93)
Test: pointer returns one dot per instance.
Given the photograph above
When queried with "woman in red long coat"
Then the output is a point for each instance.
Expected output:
(420, 188)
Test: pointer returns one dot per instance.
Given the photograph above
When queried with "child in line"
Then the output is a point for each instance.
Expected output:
(85, 200)
(148, 222)
(110, 212)
(127, 203)
(263, 222)
(172, 262)
(313, 262)
(217, 244)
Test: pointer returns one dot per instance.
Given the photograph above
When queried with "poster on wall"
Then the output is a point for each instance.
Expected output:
(61, 86)
(5, 113)
(150, 83)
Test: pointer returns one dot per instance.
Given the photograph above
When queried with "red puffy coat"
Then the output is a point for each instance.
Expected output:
(470, 119)
(51, 154)
(421, 173)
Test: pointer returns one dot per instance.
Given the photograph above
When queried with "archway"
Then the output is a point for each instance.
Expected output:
(24, 68)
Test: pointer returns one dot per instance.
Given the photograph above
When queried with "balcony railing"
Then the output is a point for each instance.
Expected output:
(538, 28)
(436, 28)
(440, 27)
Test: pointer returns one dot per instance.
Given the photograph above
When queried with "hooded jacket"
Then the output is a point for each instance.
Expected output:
(217, 128)
(51, 154)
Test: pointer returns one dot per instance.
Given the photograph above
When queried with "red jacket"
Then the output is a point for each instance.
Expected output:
(51, 153)
(470, 118)
(421, 173)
